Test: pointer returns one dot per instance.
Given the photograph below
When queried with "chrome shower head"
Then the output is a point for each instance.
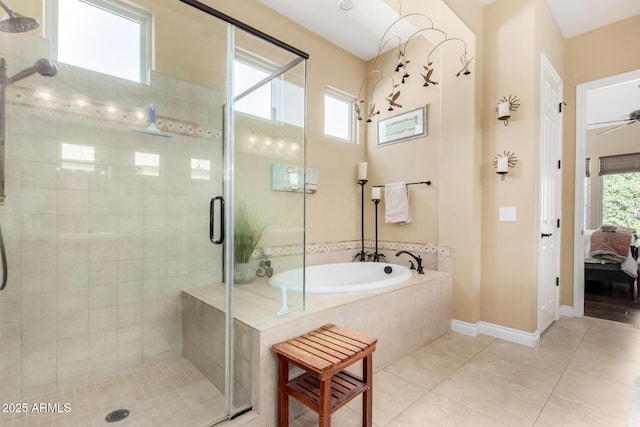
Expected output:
(42, 66)
(16, 23)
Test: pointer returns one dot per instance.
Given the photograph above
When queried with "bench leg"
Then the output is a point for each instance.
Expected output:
(367, 396)
(325, 403)
(283, 398)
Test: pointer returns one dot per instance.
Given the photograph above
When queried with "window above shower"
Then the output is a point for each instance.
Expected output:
(106, 36)
(259, 94)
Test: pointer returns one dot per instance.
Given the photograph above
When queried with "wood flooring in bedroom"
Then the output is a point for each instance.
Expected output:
(611, 301)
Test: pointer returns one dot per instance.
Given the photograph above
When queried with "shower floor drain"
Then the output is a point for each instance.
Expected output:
(117, 415)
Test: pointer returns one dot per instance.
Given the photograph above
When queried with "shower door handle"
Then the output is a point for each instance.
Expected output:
(212, 217)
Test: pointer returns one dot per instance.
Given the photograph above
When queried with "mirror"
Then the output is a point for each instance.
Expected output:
(292, 178)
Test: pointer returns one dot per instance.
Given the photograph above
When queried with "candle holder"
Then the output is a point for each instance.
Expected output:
(362, 255)
(377, 257)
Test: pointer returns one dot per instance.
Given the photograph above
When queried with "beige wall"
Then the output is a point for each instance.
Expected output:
(591, 56)
(515, 35)
(508, 38)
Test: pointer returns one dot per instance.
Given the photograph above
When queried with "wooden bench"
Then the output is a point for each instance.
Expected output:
(325, 387)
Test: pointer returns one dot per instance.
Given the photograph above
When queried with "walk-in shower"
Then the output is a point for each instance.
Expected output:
(106, 229)
(14, 23)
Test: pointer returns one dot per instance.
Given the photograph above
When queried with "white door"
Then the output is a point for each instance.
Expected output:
(550, 195)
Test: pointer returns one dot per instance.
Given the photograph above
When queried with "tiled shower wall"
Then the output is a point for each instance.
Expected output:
(99, 248)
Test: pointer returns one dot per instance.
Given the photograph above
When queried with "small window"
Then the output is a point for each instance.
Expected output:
(339, 116)
(106, 36)
(276, 99)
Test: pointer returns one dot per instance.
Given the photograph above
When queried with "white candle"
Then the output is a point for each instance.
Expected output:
(375, 193)
(503, 110)
(362, 171)
(266, 251)
(503, 165)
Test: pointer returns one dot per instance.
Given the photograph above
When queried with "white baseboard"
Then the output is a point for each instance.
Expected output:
(465, 328)
(567, 311)
(529, 339)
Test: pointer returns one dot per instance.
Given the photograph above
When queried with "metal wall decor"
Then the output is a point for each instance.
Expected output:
(502, 163)
(505, 106)
(382, 77)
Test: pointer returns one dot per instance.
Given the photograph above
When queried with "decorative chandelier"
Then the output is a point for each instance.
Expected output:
(402, 66)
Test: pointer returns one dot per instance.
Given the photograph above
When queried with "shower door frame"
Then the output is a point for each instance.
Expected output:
(228, 173)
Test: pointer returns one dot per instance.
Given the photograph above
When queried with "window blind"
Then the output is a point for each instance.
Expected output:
(587, 167)
(622, 163)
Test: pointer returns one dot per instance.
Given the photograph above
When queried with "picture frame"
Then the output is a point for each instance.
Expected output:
(403, 127)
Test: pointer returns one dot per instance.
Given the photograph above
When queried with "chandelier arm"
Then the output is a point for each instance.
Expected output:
(393, 85)
(382, 45)
(404, 49)
(443, 42)
(365, 81)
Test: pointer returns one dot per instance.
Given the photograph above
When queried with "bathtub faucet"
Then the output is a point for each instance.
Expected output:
(418, 259)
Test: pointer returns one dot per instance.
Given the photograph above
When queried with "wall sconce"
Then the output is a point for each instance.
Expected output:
(505, 106)
(502, 163)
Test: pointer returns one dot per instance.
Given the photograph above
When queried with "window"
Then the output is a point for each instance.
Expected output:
(275, 100)
(620, 190)
(339, 116)
(106, 36)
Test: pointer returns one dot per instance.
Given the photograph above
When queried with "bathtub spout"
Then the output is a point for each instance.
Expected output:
(418, 258)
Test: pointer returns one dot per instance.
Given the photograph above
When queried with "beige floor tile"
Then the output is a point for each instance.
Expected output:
(458, 347)
(561, 412)
(605, 364)
(391, 396)
(494, 397)
(423, 368)
(435, 410)
(343, 417)
(571, 330)
(609, 397)
(501, 360)
(167, 392)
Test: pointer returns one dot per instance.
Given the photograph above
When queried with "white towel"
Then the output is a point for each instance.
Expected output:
(396, 203)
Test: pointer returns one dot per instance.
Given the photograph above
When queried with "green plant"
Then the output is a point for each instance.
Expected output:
(247, 231)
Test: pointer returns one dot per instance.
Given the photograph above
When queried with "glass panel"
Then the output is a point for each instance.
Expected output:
(261, 146)
(113, 298)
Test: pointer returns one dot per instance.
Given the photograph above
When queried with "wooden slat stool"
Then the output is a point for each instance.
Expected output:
(325, 386)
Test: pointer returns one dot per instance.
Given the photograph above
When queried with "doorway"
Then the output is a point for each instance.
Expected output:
(588, 207)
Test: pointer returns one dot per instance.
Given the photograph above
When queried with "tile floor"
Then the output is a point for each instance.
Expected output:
(166, 392)
(581, 374)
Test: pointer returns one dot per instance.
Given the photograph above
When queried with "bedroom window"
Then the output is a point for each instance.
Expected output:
(106, 36)
(620, 190)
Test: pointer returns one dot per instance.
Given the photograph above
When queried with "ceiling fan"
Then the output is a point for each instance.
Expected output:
(634, 117)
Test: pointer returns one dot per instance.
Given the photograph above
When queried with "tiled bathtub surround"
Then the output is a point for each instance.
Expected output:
(415, 312)
(99, 242)
(203, 344)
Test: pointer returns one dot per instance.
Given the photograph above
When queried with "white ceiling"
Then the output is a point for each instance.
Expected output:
(359, 31)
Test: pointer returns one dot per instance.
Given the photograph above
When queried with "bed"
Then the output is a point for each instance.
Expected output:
(601, 269)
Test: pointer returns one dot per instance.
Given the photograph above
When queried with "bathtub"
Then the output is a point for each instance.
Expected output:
(342, 277)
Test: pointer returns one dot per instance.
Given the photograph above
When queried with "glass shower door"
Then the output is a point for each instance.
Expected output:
(265, 155)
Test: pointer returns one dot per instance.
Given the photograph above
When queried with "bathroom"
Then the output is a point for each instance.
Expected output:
(107, 221)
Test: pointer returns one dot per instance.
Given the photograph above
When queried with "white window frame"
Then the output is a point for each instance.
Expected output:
(117, 8)
(350, 102)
